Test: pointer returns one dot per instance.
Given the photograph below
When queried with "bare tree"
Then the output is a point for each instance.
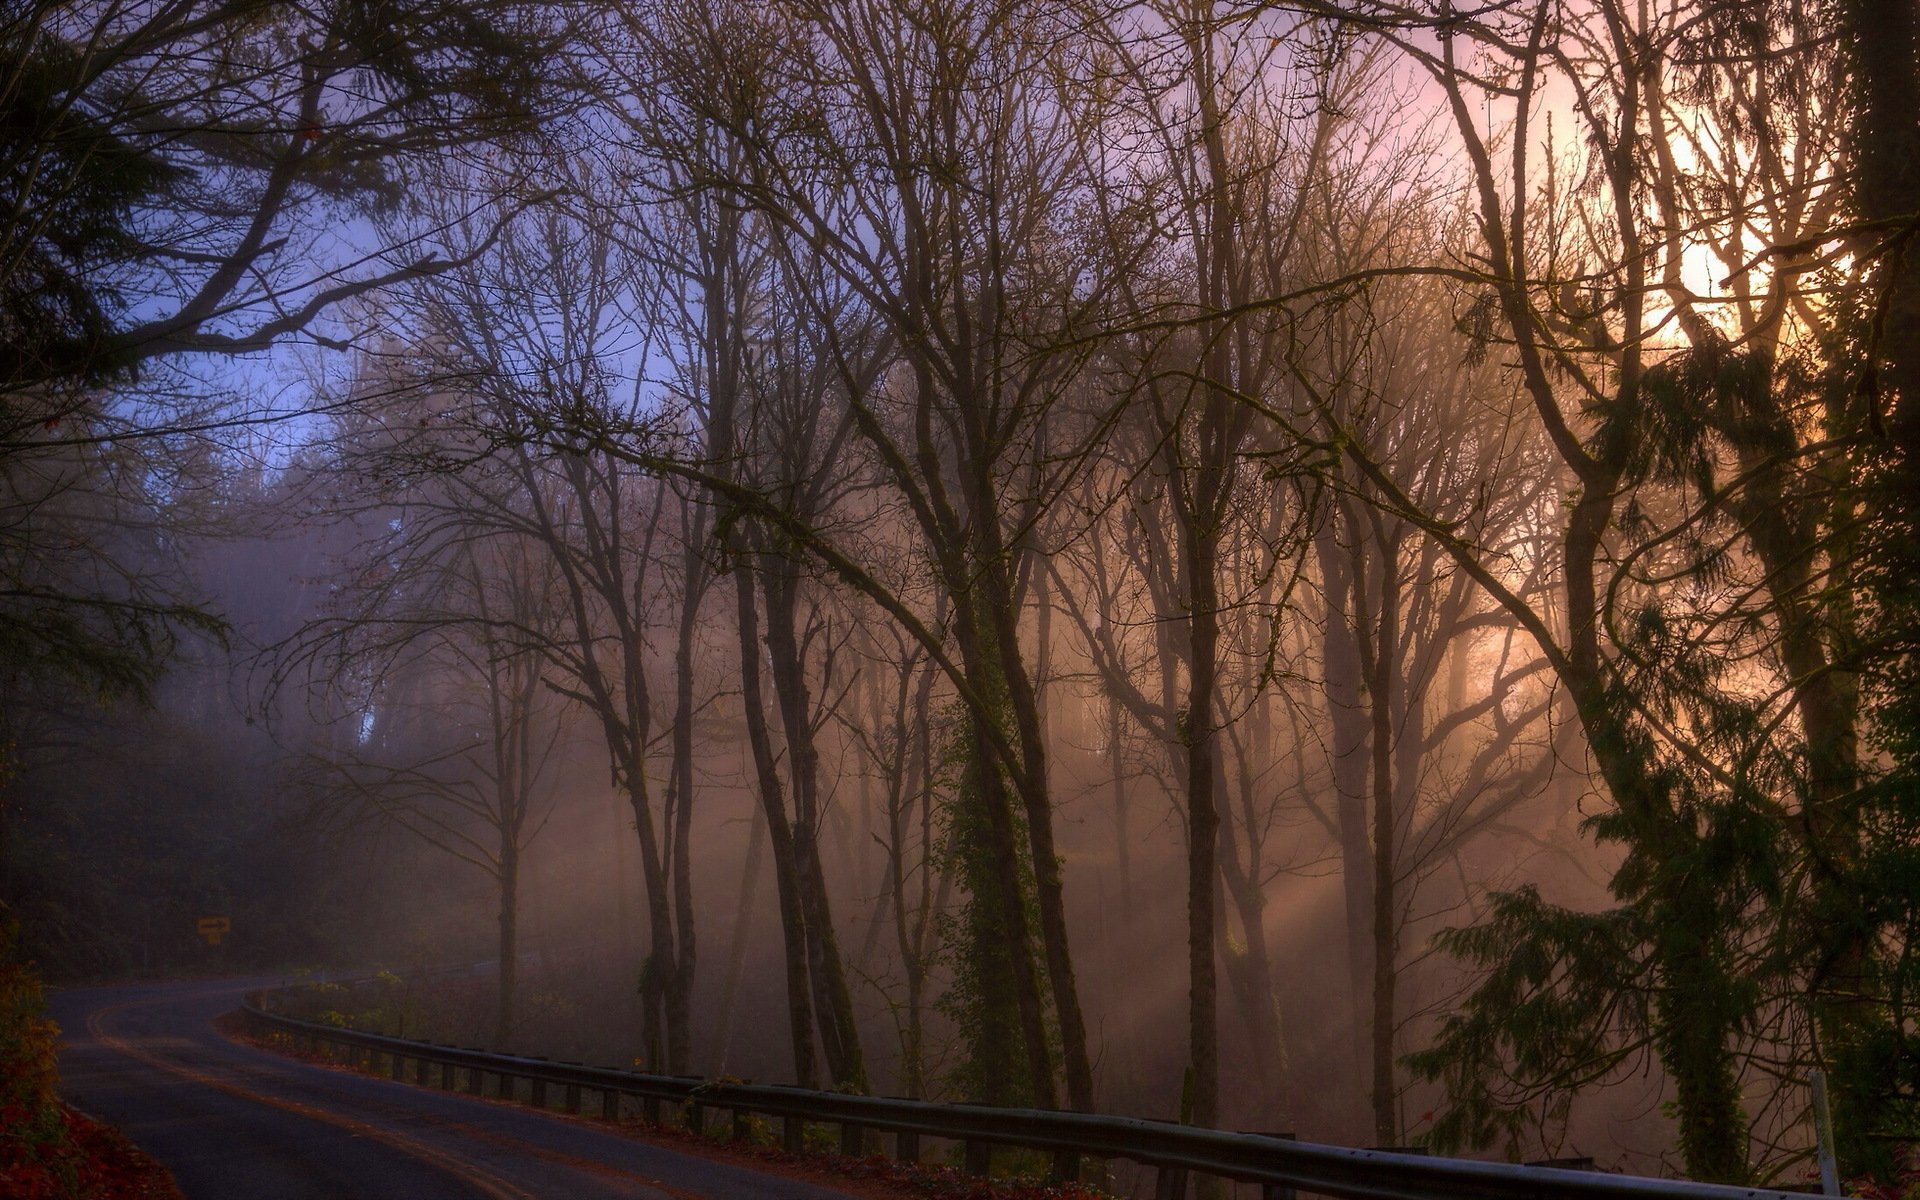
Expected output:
(173, 173)
(949, 277)
(1582, 283)
(444, 728)
(516, 385)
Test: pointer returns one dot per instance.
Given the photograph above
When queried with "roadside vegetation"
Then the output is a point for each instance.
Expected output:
(49, 1150)
(376, 1006)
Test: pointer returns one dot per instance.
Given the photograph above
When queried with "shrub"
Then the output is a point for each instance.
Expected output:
(35, 1150)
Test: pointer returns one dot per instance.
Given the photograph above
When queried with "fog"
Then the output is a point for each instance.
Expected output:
(1233, 567)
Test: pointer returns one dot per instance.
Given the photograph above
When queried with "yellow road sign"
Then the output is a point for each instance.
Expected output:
(211, 928)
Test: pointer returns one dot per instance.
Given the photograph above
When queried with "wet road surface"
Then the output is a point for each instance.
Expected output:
(233, 1122)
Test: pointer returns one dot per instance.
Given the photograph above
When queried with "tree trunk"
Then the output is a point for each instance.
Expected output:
(832, 999)
(1342, 674)
(737, 943)
(779, 833)
(1883, 39)
(1011, 901)
(508, 949)
(1122, 840)
(1250, 975)
(1049, 887)
(678, 985)
(1380, 698)
(987, 847)
(1203, 822)
(911, 936)
(659, 964)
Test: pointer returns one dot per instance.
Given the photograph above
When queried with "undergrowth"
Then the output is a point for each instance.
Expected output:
(49, 1151)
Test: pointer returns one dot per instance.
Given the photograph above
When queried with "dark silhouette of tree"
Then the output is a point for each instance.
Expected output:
(166, 176)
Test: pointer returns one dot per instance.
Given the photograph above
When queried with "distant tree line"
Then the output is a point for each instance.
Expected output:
(1387, 436)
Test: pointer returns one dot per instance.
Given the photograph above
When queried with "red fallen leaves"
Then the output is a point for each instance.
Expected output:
(283, 1044)
(949, 1183)
(893, 1177)
(83, 1160)
(47, 1150)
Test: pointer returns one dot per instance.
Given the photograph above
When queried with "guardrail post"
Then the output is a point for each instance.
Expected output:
(1066, 1167)
(979, 1157)
(1275, 1191)
(1078, 1145)
(1170, 1184)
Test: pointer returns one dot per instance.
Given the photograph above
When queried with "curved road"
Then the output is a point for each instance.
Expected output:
(235, 1123)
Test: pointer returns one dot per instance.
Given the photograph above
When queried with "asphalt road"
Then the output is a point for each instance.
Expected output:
(236, 1123)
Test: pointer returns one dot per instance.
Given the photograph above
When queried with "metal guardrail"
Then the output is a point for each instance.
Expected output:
(1280, 1164)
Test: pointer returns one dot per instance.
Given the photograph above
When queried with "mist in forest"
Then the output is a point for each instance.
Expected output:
(1294, 569)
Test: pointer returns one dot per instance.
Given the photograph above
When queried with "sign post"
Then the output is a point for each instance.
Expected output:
(213, 929)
